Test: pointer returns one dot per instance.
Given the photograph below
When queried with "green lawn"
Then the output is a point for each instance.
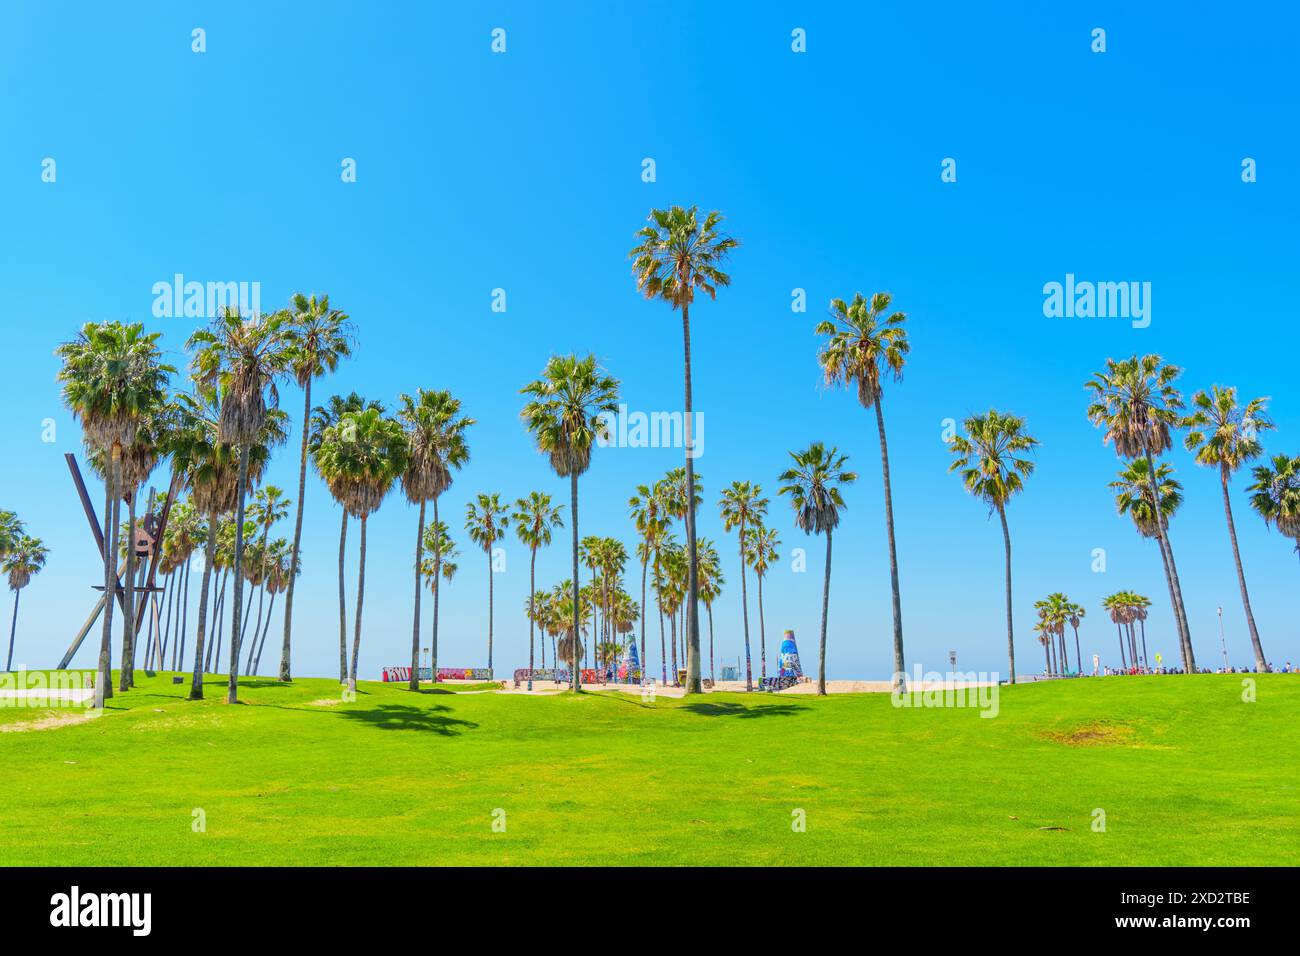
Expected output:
(1186, 772)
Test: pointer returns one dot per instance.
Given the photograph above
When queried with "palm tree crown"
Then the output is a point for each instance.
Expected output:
(863, 344)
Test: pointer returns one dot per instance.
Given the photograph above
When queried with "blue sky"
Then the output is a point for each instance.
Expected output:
(522, 171)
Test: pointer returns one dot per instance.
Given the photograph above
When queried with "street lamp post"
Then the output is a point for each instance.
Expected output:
(1222, 641)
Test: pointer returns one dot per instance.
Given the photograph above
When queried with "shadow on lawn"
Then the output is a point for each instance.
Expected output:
(406, 717)
(710, 709)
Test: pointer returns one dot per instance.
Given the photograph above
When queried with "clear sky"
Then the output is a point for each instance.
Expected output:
(522, 170)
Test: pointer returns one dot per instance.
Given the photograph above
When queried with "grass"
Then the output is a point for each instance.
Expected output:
(1185, 771)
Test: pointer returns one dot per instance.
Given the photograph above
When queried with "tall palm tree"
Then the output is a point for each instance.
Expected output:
(317, 337)
(435, 434)
(323, 417)
(1276, 496)
(742, 503)
(1119, 609)
(613, 561)
(1054, 611)
(993, 469)
(112, 376)
(1137, 405)
(568, 408)
(535, 520)
(645, 509)
(270, 506)
(711, 582)
(760, 551)
(21, 562)
(361, 456)
(1075, 614)
(677, 254)
(655, 543)
(209, 467)
(1224, 435)
(863, 345)
(486, 522)
(441, 566)
(247, 355)
(589, 555)
(280, 571)
(813, 485)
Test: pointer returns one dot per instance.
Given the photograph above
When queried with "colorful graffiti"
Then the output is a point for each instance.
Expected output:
(444, 673)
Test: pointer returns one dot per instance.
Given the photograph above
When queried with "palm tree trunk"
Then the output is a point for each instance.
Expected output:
(744, 611)
(645, 664)
(575, 676)
(209, 553)
(1065, 652)
(270, 611)
(1176, 590)
(185, 617)
(343, 604)
(532, 611)
(1145, 661)
(105, 680)
(1122, 659)
(232, 693)
(169, 608)
(692, 628)
(490, 599)
(1053, 668)
(415, 625)
(219, 618)
(672, 626)
(826, 600)
(361, 596)
(261, 591)
(1260, 663)
(1011, 637)
(437, 591)
(1047, 658)
(297, 533)
(126, 676)
(663, 648)
(762, 633)
(13, 629)
(900, 668)
(713, 679)
(1078, 655)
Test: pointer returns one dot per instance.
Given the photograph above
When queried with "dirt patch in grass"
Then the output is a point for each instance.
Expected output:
(327, 702)
(60, 719)
(1098, 733)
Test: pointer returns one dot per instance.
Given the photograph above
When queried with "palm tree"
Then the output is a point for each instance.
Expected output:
(572, 612)
(1117, 606)
(269, 507)
(1053, 610)
(568, 408)
(435, 434)
(323, 417)
(677, 254)
(361, 456)
(1136, 494)
(318, 338)
(1276, 496)
(813, 485)
(535, 519)
(247, 355)
(655, 543)
(21, 561)
(486, 522)
(612, 556)
(209, 467)
(589, 555)
(760, 551)
(742, 504)
(441, 566)
(992, 469)
(645, 509)
(1075, 614)
(1224, 435)
(280, 572)
(711, 582)
(1135, 401)
(112, 375)
(863, 345)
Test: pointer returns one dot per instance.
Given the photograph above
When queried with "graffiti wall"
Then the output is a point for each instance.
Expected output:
(444, 673)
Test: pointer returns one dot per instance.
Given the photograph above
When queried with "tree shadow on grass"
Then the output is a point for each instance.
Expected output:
(405, 717)
(728, 709)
